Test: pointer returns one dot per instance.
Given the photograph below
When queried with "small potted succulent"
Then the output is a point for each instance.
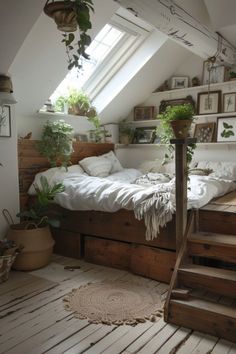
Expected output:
(70, 15)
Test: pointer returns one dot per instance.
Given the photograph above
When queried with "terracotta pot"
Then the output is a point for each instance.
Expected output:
(76, 110)
(38, 246)
(125, 139)
(181, 128)
(63, 14)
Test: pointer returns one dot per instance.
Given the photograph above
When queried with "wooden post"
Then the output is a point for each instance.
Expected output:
(181, 187)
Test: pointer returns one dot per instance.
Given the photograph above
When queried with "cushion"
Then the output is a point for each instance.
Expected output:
(50, 174)
(116, 165)
(221, 169)
(150, 166)
(96, 166)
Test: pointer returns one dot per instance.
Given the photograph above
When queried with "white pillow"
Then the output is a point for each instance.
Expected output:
(49, 174)
(169, 168)
(150, 166)
(225, 170)
(116, 165)
(96, 166)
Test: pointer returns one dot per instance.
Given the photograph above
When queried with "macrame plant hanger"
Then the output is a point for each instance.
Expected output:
(210, 63)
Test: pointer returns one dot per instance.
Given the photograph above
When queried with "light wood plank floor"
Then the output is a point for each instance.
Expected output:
(33, 320)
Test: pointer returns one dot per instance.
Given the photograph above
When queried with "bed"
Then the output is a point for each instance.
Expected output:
(111, 235)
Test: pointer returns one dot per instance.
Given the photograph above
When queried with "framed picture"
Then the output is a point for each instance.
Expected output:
(218, 73)
(144, 135)
(209, 103)
(144, 113)
(178, 101)
(179, 82)
(229, 102)
(226, 129)
(204, 133)
(5, 122)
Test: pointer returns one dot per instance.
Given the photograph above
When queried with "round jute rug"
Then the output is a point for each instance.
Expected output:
(114, 302)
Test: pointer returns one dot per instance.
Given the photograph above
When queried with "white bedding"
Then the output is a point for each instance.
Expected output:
(154, 203)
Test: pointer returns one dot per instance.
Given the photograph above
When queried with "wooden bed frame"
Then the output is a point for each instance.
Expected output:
(111, 239)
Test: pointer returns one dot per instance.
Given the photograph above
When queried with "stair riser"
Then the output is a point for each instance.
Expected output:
(224, 253)
(216, 285)
(217, 221)
(202, 320)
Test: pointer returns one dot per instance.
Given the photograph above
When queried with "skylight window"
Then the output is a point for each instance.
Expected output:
(113, 45)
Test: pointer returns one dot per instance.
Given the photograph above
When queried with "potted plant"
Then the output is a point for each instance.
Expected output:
(126, 132)
(98, 133)
(180, 118)
(78, 102)
(68, 15)
(34, 234)
(56, 143)
(176, 121)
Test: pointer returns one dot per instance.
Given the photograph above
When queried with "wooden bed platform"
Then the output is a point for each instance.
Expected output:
(111, 239)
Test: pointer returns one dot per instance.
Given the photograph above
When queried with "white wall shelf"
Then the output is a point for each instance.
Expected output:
(197, 88)
(57, 114)
(215, 115)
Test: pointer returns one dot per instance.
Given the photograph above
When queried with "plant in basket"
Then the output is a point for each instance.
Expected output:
(33, 233)
(8, 252)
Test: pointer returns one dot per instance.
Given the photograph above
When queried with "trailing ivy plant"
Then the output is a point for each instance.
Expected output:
(75, 49)
(56, 143)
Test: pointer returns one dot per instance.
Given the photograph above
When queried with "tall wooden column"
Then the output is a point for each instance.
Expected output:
(181, 187)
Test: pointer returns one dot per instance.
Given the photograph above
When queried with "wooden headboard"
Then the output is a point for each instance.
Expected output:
(31, 162)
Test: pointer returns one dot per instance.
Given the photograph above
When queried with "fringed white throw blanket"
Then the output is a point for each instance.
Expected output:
(155, 203)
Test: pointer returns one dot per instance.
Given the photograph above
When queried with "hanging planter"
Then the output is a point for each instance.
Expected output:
(63, 14)
(70, 15)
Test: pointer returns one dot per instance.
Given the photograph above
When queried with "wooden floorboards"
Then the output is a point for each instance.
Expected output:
(33, 320)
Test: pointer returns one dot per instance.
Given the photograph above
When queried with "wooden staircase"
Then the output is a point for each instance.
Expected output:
(203, 297)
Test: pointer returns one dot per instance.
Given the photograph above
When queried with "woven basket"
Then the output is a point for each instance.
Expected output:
(5, 266)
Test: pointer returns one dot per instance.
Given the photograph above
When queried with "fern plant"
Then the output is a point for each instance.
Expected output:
(56, 143)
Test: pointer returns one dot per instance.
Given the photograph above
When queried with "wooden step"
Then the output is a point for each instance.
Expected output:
(202, 315)
(211, 245)
(220, 281)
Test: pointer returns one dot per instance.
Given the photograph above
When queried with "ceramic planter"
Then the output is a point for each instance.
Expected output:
(63, 14)
(181, 128)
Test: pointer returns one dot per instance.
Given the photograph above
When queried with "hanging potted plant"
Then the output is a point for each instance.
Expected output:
(70, 15)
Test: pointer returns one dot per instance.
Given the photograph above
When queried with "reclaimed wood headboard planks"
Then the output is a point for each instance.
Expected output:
(31, 162)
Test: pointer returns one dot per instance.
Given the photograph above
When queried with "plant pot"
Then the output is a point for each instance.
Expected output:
(77, 111)
(181, 128)
(38, 246)
(125, 139)
(63, 14)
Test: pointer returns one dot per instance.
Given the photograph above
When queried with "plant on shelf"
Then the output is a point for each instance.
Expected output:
(175, 121)
(61, 105)
(98, 133)
(33, 233)
(126, 132)
(78, 102)
(70, 15)
(56, 143)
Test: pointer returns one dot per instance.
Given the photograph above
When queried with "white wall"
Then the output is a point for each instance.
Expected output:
(9, 196)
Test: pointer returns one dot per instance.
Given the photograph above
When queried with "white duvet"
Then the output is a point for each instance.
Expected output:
(154, 203)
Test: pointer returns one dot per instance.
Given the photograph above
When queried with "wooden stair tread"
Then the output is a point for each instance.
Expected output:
(213, 239)
(206, 305)
(219, 273)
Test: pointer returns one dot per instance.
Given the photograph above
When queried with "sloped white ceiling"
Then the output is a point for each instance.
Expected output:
(16, 20)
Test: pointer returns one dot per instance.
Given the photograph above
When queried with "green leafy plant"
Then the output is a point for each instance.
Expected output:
(70, 14)
(126, 131)
(98, 133)
(60, 103)
(78, 102)
(165, 132)
(56, 143)
(38, 215)
(75, 49)
(227, 132)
